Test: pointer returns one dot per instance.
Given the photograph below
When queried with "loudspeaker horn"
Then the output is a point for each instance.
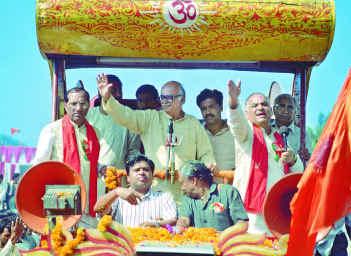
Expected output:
(276, 206)
(31, 189)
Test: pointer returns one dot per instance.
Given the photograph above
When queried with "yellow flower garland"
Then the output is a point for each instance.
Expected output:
(112, 178)
(68, 248)
(57, 238)
(105, 222)
(59, 244)
(189, 236)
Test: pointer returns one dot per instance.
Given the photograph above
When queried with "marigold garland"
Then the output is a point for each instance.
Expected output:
(104, 222)
(189, 236)
(59, 244)
(57, 238)
(68, 248)
(112, 178)
(44, 244)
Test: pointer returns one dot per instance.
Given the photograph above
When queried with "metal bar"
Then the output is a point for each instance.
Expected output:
(58, 87)
(303, 85)
(75, 61)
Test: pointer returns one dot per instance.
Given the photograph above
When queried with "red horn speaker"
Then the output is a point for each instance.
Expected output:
(31, 189)
(276, 207)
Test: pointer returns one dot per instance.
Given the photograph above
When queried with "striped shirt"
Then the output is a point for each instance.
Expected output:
(155, 205)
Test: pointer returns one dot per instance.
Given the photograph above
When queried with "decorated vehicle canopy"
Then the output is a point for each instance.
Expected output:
(188, 30)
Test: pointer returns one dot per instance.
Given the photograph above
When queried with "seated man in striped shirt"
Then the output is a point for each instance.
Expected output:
(138, 205)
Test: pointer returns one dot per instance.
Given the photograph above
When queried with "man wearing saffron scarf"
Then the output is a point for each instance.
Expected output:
(260, 160)
(72, 140)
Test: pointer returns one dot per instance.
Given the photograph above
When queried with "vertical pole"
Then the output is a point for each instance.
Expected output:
(58, 82)
(303, 96)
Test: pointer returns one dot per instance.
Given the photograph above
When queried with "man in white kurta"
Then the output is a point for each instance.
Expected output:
(284, 109)
(50, 145)
(257, 112)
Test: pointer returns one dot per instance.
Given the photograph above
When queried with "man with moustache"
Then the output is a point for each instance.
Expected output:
(284, 109)
(257, 167)
(73, 140)
(210, 103)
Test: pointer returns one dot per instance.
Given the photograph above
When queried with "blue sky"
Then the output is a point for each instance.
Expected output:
(26, 89)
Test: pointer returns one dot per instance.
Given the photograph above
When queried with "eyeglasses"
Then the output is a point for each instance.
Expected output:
(169, 97)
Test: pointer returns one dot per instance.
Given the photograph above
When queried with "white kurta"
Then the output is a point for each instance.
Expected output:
(242, 130)
(294, 138)
(50, 147)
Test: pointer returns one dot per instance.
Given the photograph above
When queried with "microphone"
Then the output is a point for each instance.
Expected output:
(284, 131)
(170, 132)
(170, 126)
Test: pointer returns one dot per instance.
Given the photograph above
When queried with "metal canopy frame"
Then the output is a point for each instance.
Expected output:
(59, 63)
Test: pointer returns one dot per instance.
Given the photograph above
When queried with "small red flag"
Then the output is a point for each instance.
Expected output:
(14, 130)
(324, 191)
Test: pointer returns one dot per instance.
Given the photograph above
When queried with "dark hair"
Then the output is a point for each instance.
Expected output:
(110, 79)
(5, 220)
(139, 158)
(198, 170)
(78, 88)
(285, 96)
(115, 80)
(5, 225)
(147, 88)
(212, 94)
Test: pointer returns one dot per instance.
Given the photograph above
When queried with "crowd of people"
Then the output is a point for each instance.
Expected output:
(102, 132)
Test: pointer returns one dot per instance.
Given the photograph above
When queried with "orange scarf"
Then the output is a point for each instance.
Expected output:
(71, 155)
(256, 189)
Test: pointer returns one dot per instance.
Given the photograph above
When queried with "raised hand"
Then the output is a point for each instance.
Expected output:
(233, 92)
(17, 229)
(104, 87)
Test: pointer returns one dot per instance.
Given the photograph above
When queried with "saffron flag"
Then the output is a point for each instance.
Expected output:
(324, 191)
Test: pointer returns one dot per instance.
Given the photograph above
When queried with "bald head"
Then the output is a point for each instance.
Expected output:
(176, 86)
(172, 98)
(255, 94)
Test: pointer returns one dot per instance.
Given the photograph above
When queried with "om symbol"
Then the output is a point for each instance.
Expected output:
(180, 13)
